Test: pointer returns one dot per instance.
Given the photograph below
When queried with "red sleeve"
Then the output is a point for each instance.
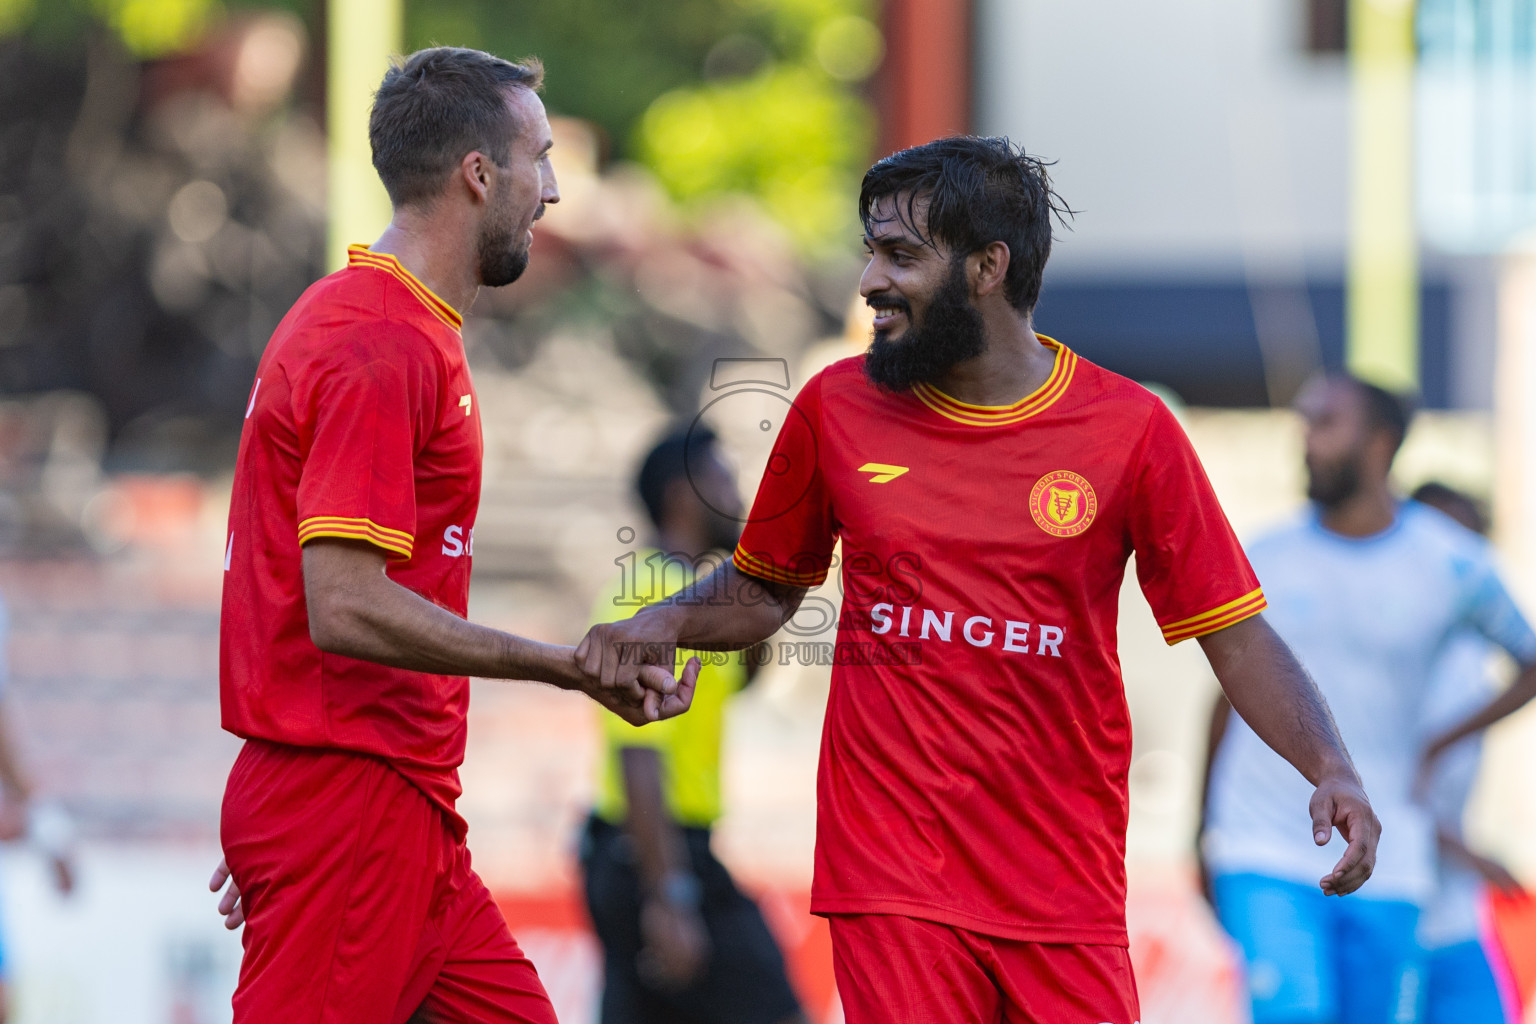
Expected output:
(791, 531)
(365, 412)
(1190, 566)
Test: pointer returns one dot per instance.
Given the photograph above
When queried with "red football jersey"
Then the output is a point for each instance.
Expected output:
(362, 424)
(977, 739)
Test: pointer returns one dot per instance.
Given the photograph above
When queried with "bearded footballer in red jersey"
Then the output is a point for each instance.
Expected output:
(988, 486)
(344, 651)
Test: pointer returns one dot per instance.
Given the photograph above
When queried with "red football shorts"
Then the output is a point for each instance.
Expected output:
(360, 905)
(900, 970)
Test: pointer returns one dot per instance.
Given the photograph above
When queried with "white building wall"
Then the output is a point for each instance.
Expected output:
(1197, 137)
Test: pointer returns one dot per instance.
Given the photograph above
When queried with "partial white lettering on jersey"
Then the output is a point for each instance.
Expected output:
(466, 402)
(458, 542)
(1016, 636)
(252, 405)
(985, 640)
(941, 627)
(229, 551)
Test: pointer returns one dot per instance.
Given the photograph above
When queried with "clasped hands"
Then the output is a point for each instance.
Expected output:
(624, 666)
(630, 667)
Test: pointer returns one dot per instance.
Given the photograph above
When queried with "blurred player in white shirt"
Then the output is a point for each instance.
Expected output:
(1369, 590)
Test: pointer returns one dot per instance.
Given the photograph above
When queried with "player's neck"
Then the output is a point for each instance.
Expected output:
(1371, 510)
(439, 258)
(687, 543)
(1012, 367)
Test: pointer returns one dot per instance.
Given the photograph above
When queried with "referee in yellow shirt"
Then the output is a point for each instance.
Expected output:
(681, 944)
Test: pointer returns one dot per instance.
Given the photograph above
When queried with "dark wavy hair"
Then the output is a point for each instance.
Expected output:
(977, 190)
(435, 106)
(669, 460)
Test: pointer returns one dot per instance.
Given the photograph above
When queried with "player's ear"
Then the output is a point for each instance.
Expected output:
(475, 172)
(991, 267)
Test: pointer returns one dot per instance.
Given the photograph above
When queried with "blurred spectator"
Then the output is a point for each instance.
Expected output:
(1368, 590)
(1461, 986)
(680, 941)
(21, 816)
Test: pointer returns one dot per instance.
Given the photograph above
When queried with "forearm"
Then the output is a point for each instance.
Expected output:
(1451, 845)
(1216, 731)
(364, 614)
(394, 626)
(724, 611)
(1268, 687)
(659, 846)
(1517, 696)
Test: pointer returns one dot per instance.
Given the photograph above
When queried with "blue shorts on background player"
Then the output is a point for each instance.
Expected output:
(1320, 960)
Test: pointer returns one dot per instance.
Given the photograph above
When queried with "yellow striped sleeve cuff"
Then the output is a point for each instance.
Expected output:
(396, 542)
(1221, 617)
(764, 569)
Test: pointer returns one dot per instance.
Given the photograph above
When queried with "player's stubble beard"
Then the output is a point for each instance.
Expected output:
(1331, 484)
(949, 333)
(502, 259)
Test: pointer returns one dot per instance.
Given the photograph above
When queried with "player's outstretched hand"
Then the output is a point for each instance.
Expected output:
(1341, 803)
(230, 904)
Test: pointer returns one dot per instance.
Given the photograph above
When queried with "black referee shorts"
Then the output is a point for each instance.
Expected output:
(744, 981)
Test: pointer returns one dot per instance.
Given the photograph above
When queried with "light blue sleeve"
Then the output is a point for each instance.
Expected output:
(1490, 610)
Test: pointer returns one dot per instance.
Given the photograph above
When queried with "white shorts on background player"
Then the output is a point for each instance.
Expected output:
(1370, 619)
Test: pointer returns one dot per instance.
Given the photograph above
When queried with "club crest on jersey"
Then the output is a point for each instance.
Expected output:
(1063, 503)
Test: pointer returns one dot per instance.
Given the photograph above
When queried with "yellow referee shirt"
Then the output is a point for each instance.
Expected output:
(688, 745)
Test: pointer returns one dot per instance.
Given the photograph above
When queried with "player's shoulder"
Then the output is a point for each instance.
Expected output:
(1110, 393)
(841, 375)
(1431, 531)
(837, 384)
(1116, 406)
(351, 318)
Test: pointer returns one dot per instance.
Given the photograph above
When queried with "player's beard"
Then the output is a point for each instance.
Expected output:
(949, 333)
(1332, 484)
(502, 258)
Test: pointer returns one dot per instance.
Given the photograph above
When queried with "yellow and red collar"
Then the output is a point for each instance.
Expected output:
(362, 256)
(1033, 404)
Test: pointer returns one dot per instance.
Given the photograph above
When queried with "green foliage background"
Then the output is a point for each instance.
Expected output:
(754, 97)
